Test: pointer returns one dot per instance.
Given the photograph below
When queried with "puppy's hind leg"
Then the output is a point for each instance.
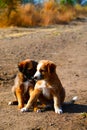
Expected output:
(19, 95)
(15, 102)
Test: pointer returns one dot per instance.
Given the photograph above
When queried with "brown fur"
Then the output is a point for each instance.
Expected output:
(48, 85)
(23, 85)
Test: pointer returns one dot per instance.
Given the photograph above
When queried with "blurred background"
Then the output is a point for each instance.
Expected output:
(28, 13)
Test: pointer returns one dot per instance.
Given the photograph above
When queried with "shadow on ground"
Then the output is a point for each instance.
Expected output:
(75, 108)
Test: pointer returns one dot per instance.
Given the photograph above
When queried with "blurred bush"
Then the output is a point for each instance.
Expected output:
(16, 14)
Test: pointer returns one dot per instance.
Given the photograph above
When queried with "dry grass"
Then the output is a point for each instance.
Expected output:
(29, 16)
(50, 13)
(81, 10)
(66, 14)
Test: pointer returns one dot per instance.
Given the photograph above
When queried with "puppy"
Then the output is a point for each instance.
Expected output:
(23, 84)
(48, 85)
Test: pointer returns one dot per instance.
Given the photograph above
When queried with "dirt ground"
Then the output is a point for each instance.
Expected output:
(66, 45)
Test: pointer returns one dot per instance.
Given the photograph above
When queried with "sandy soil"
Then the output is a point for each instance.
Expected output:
(66, 45)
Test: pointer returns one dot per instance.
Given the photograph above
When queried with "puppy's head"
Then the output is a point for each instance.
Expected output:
(28, 67)
(45, 69)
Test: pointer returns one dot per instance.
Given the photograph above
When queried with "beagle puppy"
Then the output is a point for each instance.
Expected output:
(48, 85)
(23, 84)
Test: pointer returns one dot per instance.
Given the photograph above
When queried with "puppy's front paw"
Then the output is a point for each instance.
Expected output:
(24, 109)
(58, 110)
(39, 110)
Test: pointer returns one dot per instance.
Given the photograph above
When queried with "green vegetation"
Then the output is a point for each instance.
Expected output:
(2, 4)
(70, 2)
(84, 115)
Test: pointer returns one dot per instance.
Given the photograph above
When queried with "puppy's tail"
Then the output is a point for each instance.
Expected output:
(73, 100)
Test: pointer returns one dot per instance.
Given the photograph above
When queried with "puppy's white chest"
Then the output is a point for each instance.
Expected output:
(26, 86)
(46, 92)
(45, 89)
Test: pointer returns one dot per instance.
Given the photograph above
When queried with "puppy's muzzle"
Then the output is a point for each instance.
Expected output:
(37, 76)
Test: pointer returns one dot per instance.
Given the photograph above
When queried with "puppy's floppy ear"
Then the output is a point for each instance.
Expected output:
(51, 67)
(20, 66)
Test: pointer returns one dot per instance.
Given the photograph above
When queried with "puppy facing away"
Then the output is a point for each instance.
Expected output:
(23, 84)
(48, 85)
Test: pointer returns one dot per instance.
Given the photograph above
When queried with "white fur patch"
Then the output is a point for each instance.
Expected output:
(24, 109)
(39, 66)
(37, 74)
(58, 110)
(75, 98)
(26, 86)
(45, 89)
(10, 103)
(46, 92)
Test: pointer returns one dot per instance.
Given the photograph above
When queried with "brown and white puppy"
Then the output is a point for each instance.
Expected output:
(48, 85)
(23, 84)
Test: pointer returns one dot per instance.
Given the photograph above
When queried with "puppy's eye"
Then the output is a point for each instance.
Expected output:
(29, 69)
(42, 70)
